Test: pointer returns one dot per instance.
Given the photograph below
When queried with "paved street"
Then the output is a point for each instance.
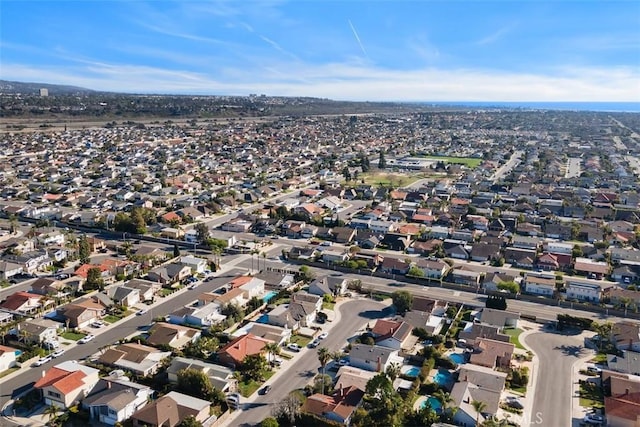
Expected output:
(508, 166)
(553, 399)
(354, 315)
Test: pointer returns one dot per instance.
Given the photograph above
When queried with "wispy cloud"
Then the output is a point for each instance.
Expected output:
(277, 47)
(355, 33)
(496, 35)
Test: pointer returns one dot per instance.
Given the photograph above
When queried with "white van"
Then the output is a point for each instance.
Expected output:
(50, 345)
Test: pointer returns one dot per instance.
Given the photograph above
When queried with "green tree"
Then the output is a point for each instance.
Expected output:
(382, 162)
(415, 271)
(269, 422)
(138, 222)
(202, 232)
(385, 406)
(195, 383)
(510, 286)
(190, 421)
(94, 279)
(393, 371)
(324, 356)
(84, 249)
(176, 251)
(272, 349)
(478, 406)
(306, 274)
(253, 367)
(402, 301)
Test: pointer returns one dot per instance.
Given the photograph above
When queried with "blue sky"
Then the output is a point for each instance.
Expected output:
(419, 50)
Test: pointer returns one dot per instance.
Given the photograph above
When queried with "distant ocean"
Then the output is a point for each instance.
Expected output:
(619, 107)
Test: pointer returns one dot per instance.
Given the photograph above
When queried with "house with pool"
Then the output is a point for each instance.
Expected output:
(374, 357)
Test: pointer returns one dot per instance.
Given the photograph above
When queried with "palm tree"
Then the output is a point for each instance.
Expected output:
(324, 355)
(52, 412)
(478, 406)
(264, 261)
(445, 400)
(393, 371)
(272, 349)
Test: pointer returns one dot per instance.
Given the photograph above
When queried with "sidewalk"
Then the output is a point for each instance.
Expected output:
(578, 412)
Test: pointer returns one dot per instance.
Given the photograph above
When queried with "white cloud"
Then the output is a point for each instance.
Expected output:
(356, 82)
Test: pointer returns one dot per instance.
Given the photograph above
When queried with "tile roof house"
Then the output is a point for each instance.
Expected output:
(170, 410)
(332, 285)
(623, 410)
(626, 335)
(81, 314)
(137, 358)
(499, 318)
(338, 408)
(391, 334)
(220, 376)
(114, 400)
(472, 331)
(22, 302)
(482, 376)
(235, 351)
(373, 357)
(293, 315)
(492, 353)
(39, 330)
(66, 383)
(463, 393)
(175, 336)
(169, 274)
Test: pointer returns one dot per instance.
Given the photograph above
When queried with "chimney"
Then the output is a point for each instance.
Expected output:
(340, 390)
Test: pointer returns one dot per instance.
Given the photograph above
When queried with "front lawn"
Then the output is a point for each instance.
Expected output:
(328, 305)
(247, 388)
(73, 336)
(591, 395)
(164, 292)
(110, 318)
(300, 340)
(601, 358)
(8, 371)
(514, 333)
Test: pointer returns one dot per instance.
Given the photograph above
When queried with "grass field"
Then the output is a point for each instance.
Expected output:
(389, 178)
(471, 162)
(514, 334)
(72, 336)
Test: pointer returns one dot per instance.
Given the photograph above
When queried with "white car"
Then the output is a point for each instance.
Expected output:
(43, 360)
(294, 347)
(86, 339)
(57, 353)
(343, 362)
(98, 324)
(140, 312)
(323, 335)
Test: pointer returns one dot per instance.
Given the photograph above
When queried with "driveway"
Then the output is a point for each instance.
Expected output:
(301, 370)
(554, 391)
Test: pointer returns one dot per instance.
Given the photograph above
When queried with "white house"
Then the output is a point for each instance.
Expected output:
(539, 285)
(373, 357)
(8, 357)
(559, 248)
(66, 383)
(113, 400)
(583, 289)
(253, 288)
(197, 265)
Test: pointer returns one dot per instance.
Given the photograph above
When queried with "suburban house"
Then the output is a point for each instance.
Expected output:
(48, 286)
(472, 331)
(8, 357)
(499, 318)
(81, 314)
(170, 410)
(9, 269)
(114, 400)
(332, 285)
(337, 408)
(584, 289)
(274, 279)
(391, 334)
(197, 265)
(463, 393)
(66, 383)
(628, 362)
(623, 410)
(493, 281)
(432, 269)
(25, 303)
(373, 357)
(277, 334)
(39, 330)
(492, 353)
(169, 274)
(175, 336)
(626, 335)
(124, 295)
(220, 376)
(591, 268)
(235, 351)
(465, 277)
(204, 315)
(482, 376)
(140, 359)
(545, 286)
(293, 315)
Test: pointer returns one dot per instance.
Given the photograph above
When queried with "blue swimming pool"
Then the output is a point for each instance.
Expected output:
(443, 377)
(269, 295)
(411, 371)
(458, 358)
(433, 403)
(263, 318)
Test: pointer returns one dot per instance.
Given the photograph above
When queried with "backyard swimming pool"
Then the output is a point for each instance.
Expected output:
(458, 358)
(411, 371)
(269, 295)
(443, 377)
(263, 318)
(433, 403)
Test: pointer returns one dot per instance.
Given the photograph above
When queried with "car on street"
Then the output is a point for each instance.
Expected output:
(59, 352)
(192, 286)
(294, 347)
(141, 312)
(43, 360)
(314, 343)
(265, 390)
(593, 419)
(323, 335)
(343, 362)
(86, 339)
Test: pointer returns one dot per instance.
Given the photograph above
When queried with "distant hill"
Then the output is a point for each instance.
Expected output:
(9, 87)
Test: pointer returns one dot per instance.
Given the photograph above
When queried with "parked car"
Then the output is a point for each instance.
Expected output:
(513, 402)
(140, 312)
(43, 360)
(343, 362)
(59, 352)
(323, 335)
(86, 339)
(98, 324)
(314, 343)
(593, 419)
(294, 347)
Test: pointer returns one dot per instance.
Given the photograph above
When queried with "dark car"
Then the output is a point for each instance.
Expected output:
(266, 389)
